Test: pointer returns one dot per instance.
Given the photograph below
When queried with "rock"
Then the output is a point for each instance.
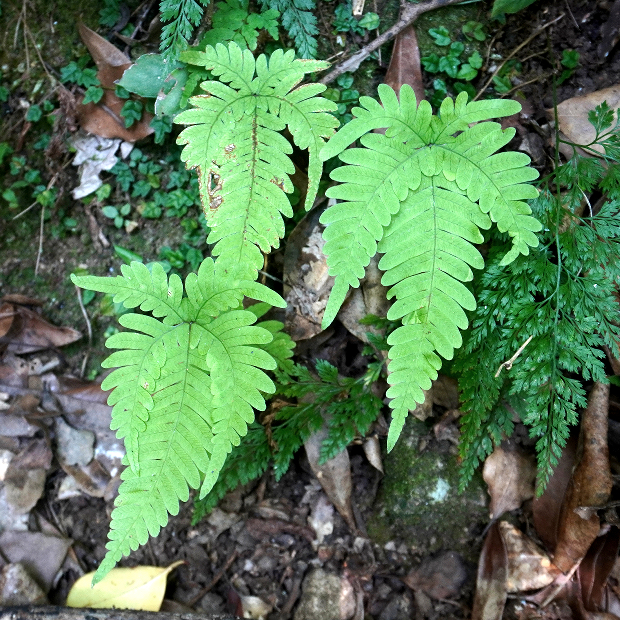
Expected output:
(399, 608)
(418, 501)
(440, 577)
(17, 587)
(75, 447)
(325, 596)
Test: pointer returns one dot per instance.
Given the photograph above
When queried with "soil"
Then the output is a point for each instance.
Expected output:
(261, 556)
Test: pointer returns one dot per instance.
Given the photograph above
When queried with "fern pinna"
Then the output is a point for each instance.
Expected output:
(233, 141)
(420, 195)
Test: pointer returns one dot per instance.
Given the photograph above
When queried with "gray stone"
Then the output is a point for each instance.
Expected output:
(419, 502)
(320, 598)
(399, 608)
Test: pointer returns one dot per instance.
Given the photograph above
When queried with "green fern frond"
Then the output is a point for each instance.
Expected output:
(175, 446)
(233, 140)
(182, 18)
(299, 21)
(184, 387)
(420, 195)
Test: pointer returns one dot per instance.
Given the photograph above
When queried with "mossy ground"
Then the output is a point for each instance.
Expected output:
(419, 500)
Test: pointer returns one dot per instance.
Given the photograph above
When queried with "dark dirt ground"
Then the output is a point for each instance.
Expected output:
(267, 550)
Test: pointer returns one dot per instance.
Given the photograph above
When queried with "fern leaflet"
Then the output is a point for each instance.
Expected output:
(233, 140)
(420, 195)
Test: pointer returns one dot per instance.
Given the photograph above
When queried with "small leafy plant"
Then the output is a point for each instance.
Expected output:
(557, 300)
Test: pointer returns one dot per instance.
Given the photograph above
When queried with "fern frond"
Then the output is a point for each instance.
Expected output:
(237, 379)
(184, 387)
(233, 140)
(299, 21)
(175, 446)
(420, 195)
(183, 17)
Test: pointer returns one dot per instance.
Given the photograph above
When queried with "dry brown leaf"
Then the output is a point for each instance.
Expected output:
(491, 594)
(529, 567)
(7, 314)
(92, 479)
(405, 64)
(24, 487)
(29, 332)
(104, 119)
(595, 569)
(17, 587)
(372, 450)
(509, 473)
(306, 281)
(334, 476)
(446, 392)
(573, 114)
(547, 507)
(589, 486)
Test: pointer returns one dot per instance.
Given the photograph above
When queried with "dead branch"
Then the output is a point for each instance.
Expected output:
(408, 14)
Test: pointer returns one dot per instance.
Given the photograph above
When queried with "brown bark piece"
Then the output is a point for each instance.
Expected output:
(590, 484)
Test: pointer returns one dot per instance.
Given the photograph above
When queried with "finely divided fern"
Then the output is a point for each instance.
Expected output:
(181, 17)
(233, 141)
(299, 21)
(420, 195)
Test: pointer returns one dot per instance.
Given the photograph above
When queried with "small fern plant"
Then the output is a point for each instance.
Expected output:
(420, 195)
(189, 377)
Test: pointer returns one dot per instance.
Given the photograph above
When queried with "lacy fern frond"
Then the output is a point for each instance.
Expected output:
(184, 389)
(420, 195)
(181, 17)
(299, 21)
(234, 141)
(558, 301)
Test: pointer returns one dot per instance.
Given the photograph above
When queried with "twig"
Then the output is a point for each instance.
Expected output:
(231, 558)
(34, 204)
(89, 329)
(516, 51)
(40, 251)
(518, 86)
(409, 13)
(508, 364)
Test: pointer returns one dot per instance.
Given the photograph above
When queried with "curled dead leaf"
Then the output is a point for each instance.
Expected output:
(509, 473)
(104, 118)
(590, 484)
(529, 567)
(491, 593)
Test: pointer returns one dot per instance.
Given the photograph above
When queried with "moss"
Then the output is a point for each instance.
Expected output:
(419, 502)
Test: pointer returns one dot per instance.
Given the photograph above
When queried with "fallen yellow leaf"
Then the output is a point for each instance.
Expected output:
(140, 588)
